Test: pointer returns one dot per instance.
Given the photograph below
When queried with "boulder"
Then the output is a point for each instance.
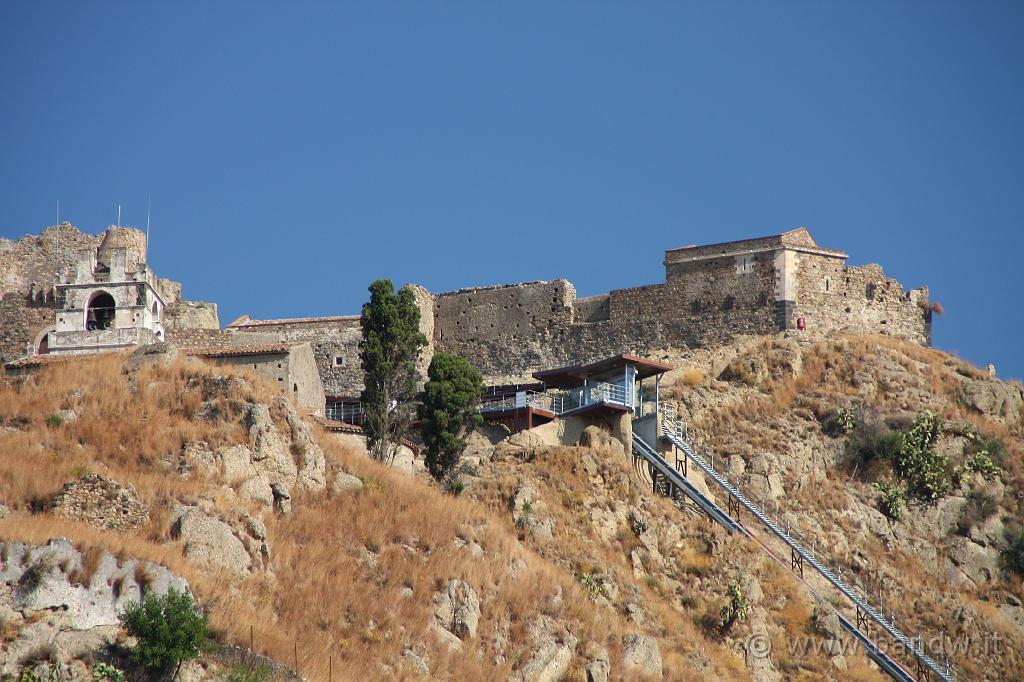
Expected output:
(258, 490)
(162, 354)
(415, 663)
(212, 543)
(598, 439)
(641, 656)
(551, 652)
(598, 666)
(457, 609)
(236, 463)
(344, 482)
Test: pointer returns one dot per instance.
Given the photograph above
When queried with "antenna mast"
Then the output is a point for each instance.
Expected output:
(119, 215)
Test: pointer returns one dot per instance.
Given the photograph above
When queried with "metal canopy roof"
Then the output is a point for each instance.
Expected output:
(574, 375)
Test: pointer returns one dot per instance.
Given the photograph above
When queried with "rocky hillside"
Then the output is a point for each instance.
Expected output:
(556, 562)
(817, 430)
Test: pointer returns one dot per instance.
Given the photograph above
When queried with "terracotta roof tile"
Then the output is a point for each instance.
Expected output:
(293, 320)
(241, 351)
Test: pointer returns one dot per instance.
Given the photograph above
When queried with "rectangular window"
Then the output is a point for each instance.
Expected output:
(339, 360)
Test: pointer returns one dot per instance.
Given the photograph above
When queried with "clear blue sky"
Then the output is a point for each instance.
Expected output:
(296, 151)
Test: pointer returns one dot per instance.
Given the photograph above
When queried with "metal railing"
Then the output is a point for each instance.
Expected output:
(350, 413)
(560, 402)
(675, 431)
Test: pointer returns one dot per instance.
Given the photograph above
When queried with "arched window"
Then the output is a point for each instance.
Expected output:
(156, 311)
(100, 312)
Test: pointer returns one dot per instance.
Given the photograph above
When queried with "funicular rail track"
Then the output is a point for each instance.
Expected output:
(676, 434)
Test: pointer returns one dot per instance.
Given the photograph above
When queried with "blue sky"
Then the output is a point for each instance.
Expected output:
(296, 151)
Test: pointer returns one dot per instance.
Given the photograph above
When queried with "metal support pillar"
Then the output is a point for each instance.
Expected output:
(796, 562)
(862, 620)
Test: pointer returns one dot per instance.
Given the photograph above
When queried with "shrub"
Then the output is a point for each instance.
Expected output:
(871, 441)
(918, 464)
(55, 421)
(106, 672)
(1013, 553)
(846, 420)
(691, 376)
(170, 629)
(252, 672)
(893, 500)
(978, 508)
(594, 583)
(735, 609)
(979, 463)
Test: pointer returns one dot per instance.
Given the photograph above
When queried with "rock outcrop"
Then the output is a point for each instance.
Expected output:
(81, 593)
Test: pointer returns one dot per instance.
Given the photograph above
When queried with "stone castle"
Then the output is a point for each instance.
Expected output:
(67, 292)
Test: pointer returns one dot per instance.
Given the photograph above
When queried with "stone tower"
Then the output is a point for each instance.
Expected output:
(111, 300)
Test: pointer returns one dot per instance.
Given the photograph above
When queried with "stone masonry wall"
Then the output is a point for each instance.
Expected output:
(330, 340)
(859, 298)
(20, 324)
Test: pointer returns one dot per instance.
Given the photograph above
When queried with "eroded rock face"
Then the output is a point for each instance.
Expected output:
(1002, 402)
(457, 609)
(312, 465)
(979, 565)
(102, 502)
(597, 438)
(88, 593)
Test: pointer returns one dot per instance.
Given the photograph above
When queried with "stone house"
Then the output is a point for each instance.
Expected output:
(291, 366)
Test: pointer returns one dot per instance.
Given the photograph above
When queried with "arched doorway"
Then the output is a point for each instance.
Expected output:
(100, 312)
(42, 341)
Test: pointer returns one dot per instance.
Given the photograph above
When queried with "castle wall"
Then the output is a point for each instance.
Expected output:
(592, 309)
(20, 324)
(859, 298)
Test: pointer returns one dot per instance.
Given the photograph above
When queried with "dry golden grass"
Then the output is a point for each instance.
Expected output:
(338, 562)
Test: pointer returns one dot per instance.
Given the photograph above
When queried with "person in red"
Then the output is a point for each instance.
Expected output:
(801, 323)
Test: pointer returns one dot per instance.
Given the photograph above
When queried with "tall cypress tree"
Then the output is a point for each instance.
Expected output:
(389, 351)
(448, 411)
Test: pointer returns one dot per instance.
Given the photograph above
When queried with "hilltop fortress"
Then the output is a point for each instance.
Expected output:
(67, 292)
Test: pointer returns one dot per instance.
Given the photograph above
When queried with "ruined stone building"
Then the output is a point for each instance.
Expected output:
(65, 292)
(709, 294)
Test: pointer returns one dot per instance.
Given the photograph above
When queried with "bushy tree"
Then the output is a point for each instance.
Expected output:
(170, 629)
(448, 411)
(389, 351)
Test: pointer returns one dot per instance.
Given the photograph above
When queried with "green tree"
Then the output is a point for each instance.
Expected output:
(170, 629)
(448, 411)
(389, 351)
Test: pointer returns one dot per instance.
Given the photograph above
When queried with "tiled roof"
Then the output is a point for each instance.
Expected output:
(293, 320)
(345, 427)
(241, 351)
